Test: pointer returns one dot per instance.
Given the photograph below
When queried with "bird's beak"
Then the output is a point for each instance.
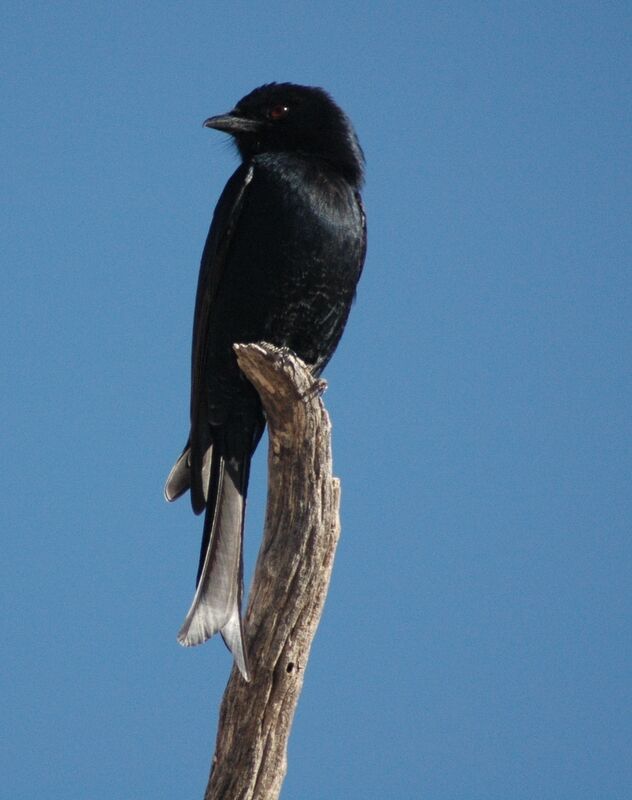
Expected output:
(232, 123)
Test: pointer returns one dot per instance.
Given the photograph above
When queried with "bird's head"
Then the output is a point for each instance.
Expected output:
(285, 117)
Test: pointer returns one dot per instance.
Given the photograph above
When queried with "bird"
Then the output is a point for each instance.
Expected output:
(281, 263)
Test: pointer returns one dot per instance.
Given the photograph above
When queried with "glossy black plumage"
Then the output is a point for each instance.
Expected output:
(281, 263)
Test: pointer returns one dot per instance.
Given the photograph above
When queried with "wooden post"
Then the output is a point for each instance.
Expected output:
(291, 578)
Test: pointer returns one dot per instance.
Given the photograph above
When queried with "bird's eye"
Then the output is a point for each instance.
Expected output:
(278, 111)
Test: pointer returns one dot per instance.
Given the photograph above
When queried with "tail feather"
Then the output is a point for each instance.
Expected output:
(216, 605)
(179, 480)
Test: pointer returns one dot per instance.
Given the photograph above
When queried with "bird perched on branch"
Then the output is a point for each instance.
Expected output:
(281, 262)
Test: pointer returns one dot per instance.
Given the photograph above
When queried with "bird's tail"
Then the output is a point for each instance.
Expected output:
(216, 605)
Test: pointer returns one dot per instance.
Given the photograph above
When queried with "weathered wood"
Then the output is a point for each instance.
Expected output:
(291, 578)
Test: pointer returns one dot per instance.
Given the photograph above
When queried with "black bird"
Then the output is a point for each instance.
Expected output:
(281, 263)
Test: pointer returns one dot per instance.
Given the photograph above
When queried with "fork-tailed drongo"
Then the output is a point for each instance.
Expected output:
(281, 263)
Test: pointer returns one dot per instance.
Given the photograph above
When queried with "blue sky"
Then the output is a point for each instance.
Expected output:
(476, 639)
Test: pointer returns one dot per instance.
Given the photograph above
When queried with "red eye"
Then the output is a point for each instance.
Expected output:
(278, 112)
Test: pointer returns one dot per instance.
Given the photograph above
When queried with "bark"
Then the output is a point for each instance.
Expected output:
(291, 578)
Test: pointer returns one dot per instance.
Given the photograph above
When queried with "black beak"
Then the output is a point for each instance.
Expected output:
(231, 123)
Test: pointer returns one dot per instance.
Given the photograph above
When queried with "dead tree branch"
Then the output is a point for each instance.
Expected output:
(291, 578)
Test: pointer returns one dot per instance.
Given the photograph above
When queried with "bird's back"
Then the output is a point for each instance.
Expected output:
(291, 269)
